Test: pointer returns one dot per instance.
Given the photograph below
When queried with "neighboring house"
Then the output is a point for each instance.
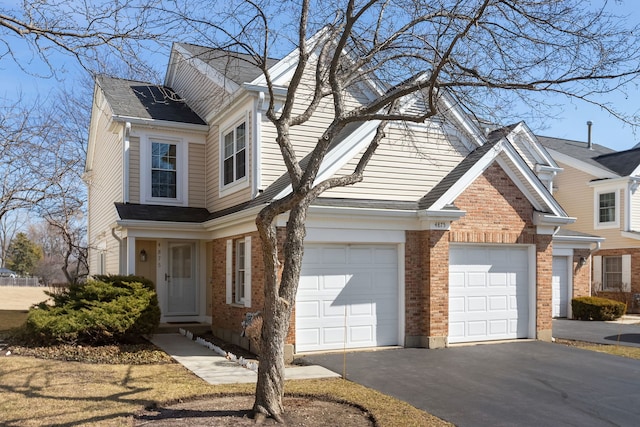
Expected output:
(452, 236)
(599, 186)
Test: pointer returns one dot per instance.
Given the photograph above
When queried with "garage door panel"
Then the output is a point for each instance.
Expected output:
(477, 304)
(309, 283)
(308, 309)
(488, 295)
(361, 278)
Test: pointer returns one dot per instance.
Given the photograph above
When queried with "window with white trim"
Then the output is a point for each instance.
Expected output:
(238, 274)
(607, 207)
(164, 170)
(234, 154)
(612, 272)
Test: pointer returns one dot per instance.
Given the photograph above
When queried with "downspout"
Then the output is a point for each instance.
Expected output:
(125, 155)
(258, 107)
(121, 268)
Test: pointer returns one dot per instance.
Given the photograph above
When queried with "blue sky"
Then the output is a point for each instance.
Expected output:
(569, 122)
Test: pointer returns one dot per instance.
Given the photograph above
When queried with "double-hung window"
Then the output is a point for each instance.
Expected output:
(606, 209)
(238, 271)
(612, 272)
(234, 164)
(164, 162)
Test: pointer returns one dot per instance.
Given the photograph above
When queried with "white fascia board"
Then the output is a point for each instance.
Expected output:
(467, 179)
(161, 123)
(539, 153)
(352, 218)
(532, 179)
(342, 154)
(579, 239)
(159, 230)
(617, 183)
(630, 235)
(91, 144)
(462, 119)
(439, 219)
(545, 219)
(278, 91)
(233, 219)
(208, 71)
(582, 166)
(283, 70)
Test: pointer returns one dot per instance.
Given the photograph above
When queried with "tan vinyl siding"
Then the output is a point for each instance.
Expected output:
(197, 175)
(572, 190)
(134, 170)
(203, 95)
(406, 165)
(304, 137)
(214, 200)
(105, 188)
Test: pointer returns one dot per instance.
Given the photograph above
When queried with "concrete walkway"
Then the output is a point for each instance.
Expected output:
(216, 369)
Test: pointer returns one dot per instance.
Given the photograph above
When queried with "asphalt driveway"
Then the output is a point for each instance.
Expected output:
(522, 383)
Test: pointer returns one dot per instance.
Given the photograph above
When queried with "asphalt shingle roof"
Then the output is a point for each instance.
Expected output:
(577, 149)
(237, 67)
(458, 172)
(134, 211)
(129, 98)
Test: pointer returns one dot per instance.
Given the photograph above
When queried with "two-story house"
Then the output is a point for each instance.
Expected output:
(451, 237)
(599, 187)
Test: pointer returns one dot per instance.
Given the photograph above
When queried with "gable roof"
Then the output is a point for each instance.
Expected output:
(624, 163)
(578, 150)
(237, 67)
(141, 100)
(501, 151)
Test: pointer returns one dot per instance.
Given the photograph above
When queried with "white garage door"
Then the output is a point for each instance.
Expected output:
(488, 293)
(347, 288)
(560, 286)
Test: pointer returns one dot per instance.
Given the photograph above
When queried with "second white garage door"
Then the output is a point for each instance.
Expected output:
(347, 288)
(488, 293)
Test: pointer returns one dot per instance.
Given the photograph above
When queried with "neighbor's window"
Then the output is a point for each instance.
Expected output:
(164, 170)
(234, 165)
(612, 272)
(240, 270)
(607, 207)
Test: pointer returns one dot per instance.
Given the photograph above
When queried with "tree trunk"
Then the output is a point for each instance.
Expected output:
(276, 313)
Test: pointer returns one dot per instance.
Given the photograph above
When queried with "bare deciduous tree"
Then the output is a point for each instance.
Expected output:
(487, 54)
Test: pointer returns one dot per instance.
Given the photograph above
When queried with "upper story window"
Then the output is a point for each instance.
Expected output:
(234, 165)
(607, 209)
(164, 169)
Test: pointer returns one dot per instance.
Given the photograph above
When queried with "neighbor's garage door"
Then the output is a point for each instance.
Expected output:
(488, 293)
(352, 288)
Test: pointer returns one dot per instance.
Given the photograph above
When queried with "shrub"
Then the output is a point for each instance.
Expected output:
(109, 310)
(596, 308)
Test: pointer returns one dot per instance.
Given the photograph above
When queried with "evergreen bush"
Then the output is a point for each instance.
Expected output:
(107, 309)
(596, 308)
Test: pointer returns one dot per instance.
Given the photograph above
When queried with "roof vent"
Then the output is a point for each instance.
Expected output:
(589, 144)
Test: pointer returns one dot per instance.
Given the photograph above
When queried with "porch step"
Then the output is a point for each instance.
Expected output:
(172, 328)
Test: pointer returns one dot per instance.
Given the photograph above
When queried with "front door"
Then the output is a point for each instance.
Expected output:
(181, 280)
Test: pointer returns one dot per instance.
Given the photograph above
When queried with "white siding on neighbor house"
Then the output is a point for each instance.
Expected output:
(203, 95)
(134, 170)
(635, 210)
(406, 165)
(105, 188)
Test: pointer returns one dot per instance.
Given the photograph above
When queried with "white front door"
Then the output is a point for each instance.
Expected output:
(560, 285)
(181, 280)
